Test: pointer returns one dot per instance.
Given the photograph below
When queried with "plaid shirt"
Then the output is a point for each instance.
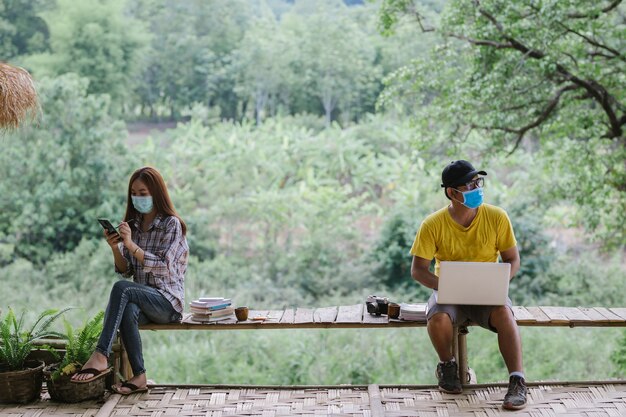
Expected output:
(165, 258)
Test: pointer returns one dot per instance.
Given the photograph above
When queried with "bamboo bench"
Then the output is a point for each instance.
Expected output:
(355, 316)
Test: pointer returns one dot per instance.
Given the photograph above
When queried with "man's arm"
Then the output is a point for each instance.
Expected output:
(511, 256)
(420, 272)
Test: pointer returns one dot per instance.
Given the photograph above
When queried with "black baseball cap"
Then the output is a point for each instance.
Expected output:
(458, 173)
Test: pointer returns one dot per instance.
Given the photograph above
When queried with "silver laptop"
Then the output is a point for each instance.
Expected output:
(473, 283)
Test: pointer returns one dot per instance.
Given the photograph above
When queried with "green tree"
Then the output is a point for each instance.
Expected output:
(190, 58)
(546, 75)
(176, 65)
(95, 39)
(59, 176)
(22, 31)
(263, 62)
(619, 357)
(336, 66)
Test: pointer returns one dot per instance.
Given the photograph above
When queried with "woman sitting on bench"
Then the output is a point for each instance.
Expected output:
(151, 247)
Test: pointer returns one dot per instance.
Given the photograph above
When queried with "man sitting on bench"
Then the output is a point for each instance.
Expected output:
(470, 231)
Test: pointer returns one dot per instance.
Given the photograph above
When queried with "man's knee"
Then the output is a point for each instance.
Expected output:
(440, 320)
(501, 317)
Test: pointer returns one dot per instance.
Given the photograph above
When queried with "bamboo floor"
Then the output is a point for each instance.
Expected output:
(592, 399)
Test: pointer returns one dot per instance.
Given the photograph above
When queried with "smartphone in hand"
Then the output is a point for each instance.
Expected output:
(106, 224)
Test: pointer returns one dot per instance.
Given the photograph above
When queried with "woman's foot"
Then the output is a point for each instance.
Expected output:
(96, 361)
(139, 381)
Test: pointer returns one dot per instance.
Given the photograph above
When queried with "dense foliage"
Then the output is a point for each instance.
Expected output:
(546, 75)
(295, 191)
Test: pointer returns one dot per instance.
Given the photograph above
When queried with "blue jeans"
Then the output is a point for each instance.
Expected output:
(132, 304)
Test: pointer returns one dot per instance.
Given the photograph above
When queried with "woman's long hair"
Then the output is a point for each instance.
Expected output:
(160, 197)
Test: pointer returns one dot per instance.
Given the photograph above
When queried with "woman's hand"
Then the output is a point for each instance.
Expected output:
(125, 234)
(112, 239)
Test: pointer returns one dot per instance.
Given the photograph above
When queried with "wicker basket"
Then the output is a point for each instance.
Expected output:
(21, 386)
(63, 390)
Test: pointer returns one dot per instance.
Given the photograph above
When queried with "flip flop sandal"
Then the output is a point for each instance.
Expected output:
(91, 371)
(132, 387)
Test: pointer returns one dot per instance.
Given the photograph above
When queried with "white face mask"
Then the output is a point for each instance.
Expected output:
(143, 205)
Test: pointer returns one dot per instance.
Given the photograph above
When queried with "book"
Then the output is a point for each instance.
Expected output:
(213, 313)
(213, 299)
(413, 312)
(210, 301)
(197, 304)
(209, 319)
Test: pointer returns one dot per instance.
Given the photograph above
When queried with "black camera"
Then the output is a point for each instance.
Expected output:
(376, 305)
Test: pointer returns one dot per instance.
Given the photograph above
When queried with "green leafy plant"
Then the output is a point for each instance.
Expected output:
(81, 343)
(619, 356)
(16, 344)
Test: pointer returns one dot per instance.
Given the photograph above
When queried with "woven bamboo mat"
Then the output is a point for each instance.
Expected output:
(214, 402)
(575, 399)
(46, 408)
(544, 400)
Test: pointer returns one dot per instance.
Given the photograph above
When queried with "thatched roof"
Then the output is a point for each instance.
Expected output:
(18, 98)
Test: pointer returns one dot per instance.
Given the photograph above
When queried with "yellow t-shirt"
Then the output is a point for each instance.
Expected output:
(442, 238)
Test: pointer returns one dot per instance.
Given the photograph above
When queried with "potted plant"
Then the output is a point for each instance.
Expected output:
(80, 344)
(21, 379)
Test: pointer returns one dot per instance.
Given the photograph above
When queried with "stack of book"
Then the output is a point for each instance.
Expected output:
(210, 309)
(412, 312)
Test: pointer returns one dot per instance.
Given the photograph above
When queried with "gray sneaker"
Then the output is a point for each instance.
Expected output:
(448, 377)
(515, 398)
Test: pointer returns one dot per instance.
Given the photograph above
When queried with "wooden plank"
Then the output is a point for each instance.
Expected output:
(574, 314)
(288, 316)
(325, 315)
(274, 316)
(612, 317)
(619, 311)
(303, 315)
(374, 319)
(539, 315)
(594, 315)
(555, 315)
(350, 314)
(258, 316)
(522, 315)
(355, 316)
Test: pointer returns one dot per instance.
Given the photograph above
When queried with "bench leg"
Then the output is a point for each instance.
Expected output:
(461, 353)
(121, 365)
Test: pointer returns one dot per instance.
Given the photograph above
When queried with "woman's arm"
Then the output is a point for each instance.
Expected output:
(113, 240)
(132, 247)
(168, 255)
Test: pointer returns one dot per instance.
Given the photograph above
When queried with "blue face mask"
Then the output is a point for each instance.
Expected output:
(142, 204)
(472, 199)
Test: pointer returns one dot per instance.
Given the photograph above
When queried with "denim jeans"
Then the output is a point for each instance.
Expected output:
(132, 304)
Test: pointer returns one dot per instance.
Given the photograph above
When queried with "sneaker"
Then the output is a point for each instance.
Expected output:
(448, 377)
(515, 398)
